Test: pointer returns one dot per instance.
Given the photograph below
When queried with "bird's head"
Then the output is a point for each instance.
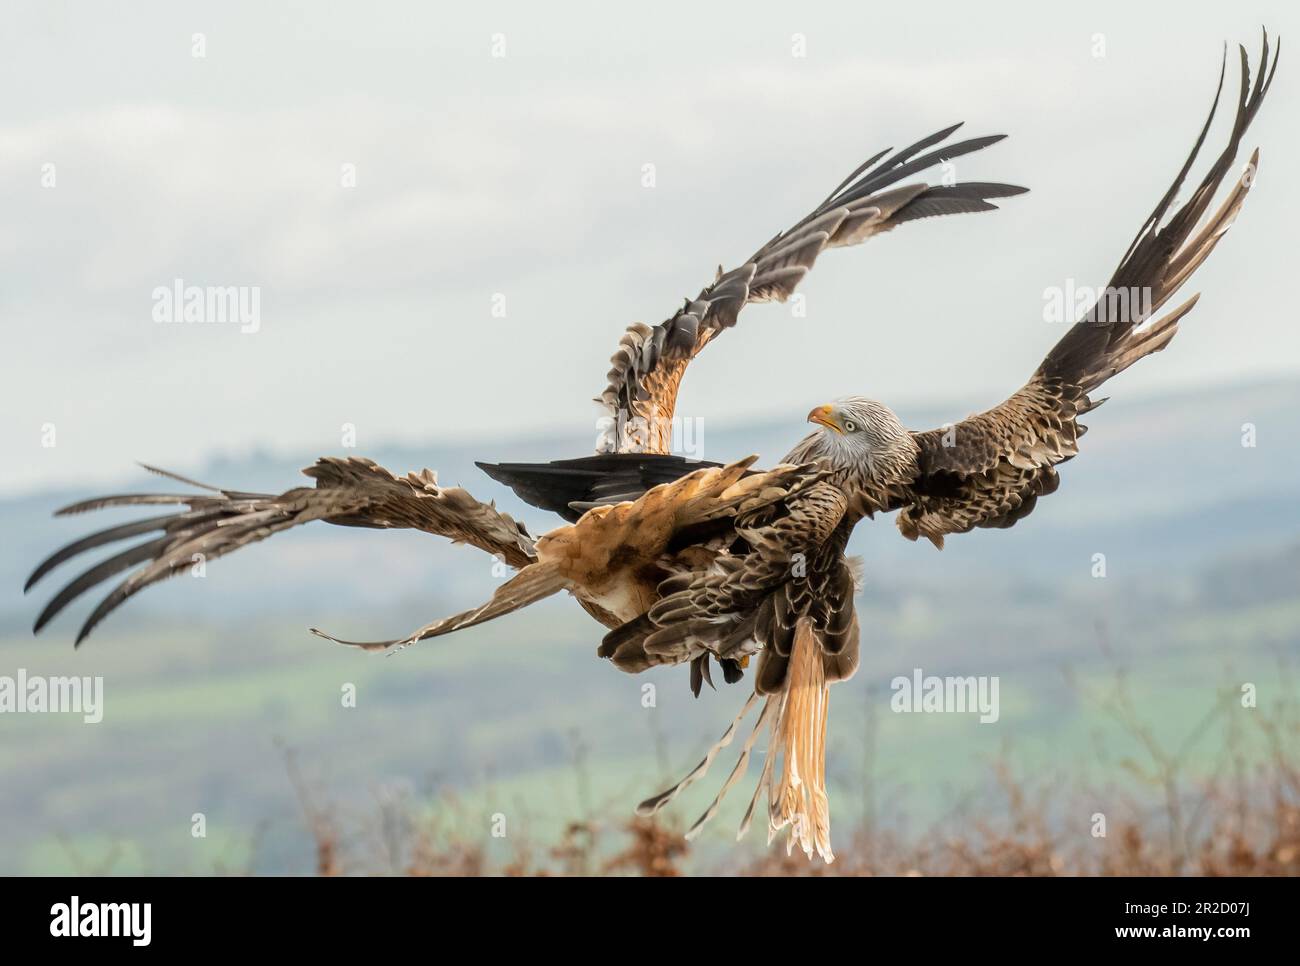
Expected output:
(862, 433)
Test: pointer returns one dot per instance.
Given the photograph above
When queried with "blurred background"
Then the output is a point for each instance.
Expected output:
(447, 216)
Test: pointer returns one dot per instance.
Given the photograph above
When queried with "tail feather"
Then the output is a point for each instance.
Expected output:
(795, 717)
(653, 804)
(798, 798)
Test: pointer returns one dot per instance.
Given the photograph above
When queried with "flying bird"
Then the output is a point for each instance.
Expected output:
(357, 492)
(687, 562)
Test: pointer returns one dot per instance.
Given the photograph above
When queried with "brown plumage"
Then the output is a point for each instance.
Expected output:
(355, 492)
(641, 396)
(617, 558)
(687, 562)
(348, 492)
(990, 469)
(986, 471)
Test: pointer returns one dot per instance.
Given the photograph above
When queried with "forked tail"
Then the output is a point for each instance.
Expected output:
(796, 794)
(798, 799)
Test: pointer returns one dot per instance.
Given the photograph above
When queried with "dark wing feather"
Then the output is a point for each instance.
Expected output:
(641, 395)
(572, 487)
(348, 492)
(990, 469)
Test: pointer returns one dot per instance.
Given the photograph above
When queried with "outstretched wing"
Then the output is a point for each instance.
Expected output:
(647, 367)
(349, 492)
(990, 469)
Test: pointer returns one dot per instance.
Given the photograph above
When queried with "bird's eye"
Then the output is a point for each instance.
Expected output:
(850, 426)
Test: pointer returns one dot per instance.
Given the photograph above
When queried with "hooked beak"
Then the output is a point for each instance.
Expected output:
(822, 416)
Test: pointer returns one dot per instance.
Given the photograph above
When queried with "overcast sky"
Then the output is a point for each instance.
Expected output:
(127, 162)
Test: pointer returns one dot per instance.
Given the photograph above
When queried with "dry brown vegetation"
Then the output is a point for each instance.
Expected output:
(1244, 819)
(1255, 837)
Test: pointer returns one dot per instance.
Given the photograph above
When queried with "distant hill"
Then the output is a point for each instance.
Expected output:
(1162, 482)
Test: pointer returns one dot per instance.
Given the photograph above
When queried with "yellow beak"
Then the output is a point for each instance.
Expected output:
(822, 415)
